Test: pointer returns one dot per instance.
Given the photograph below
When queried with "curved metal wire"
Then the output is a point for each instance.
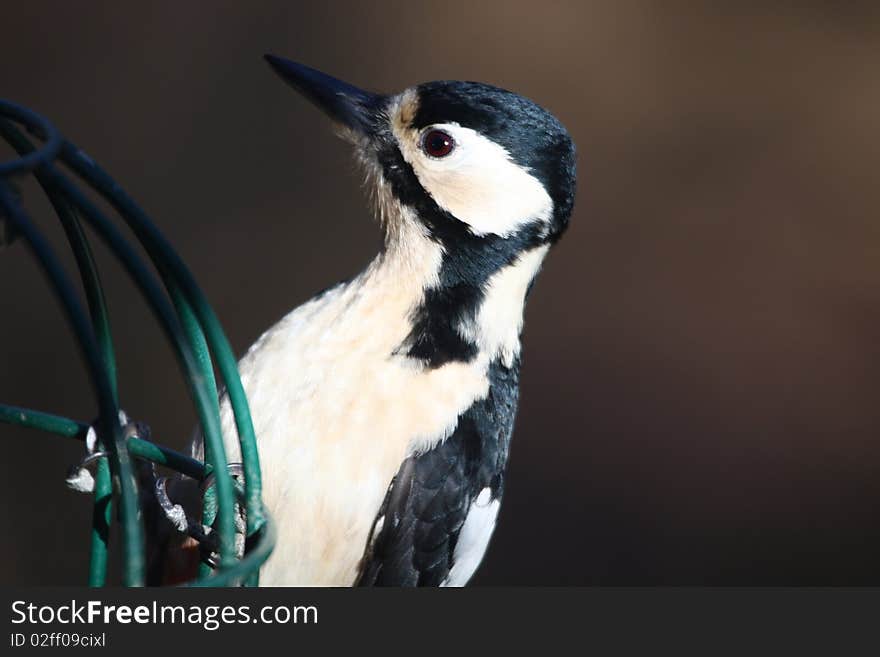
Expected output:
(143, 449)
(37, 125)
(132, 531)
(173, 269)
(204, 396)
(102, 513)
(189, 323)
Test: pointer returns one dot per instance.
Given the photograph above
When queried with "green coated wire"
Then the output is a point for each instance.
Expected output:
(250, 564)
(97, 305)
(82, 253)
(197, 337)
(62, 426)
(204, 392)
(102, 516)
(204, 395)
(165, 256)
(204, 398)
(25, 417)
(91, 281)
(197, 329)
(68, 428)
(108, 417)
(103, 505)
(102, 512)
(160, 249)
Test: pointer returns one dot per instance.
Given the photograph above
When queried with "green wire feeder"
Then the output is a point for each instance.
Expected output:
(117, 448)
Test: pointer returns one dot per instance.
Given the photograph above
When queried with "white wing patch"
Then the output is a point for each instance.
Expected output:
(377, 529)
(473, 539)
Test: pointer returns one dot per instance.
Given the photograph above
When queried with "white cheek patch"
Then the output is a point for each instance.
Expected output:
(478, 183)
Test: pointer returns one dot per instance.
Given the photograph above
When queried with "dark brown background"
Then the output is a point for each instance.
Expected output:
(701, 385)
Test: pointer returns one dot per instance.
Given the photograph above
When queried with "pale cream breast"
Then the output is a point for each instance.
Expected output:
(336, 412)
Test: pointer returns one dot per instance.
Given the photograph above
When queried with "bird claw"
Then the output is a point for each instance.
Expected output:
(79, 477)
(133, 428)
(204, 535)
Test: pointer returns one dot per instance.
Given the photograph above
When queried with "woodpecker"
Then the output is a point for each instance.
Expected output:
(384, 406)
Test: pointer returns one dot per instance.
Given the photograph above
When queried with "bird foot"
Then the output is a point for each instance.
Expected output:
(204, 535)
(79, 476)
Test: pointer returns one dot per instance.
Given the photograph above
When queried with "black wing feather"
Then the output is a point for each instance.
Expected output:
(431, 495)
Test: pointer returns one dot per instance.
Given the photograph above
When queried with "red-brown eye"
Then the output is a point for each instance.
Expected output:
(437, 143)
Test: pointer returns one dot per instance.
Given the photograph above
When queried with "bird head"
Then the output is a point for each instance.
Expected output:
(469, 158)
(484, 176)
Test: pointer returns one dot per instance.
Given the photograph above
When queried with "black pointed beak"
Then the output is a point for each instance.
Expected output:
(352, 107)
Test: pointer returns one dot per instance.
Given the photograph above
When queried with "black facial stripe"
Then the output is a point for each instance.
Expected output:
(468, 262)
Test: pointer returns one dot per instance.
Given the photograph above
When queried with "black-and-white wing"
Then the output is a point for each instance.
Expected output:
(440, 510)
